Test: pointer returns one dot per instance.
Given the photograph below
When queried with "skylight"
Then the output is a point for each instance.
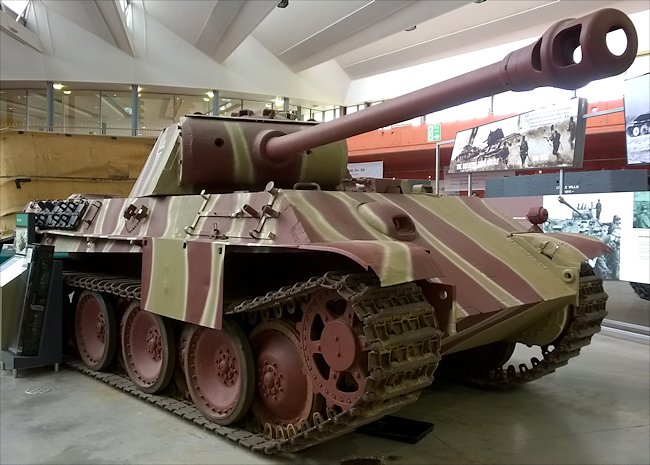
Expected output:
(17, 6)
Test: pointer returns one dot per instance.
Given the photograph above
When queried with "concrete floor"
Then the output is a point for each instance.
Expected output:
(595, 410)
(624, 305)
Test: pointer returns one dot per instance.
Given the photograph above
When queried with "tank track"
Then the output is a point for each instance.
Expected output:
(585, 322)
(399, 325)
(642, 290)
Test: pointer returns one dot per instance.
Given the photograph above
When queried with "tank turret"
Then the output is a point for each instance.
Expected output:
(222, 153)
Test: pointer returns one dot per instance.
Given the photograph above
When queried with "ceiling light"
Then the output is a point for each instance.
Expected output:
(209, 94)
(409, 29)
(67, 92)
(205, 99)
(57, 86)
(283, 3)
(139, 89)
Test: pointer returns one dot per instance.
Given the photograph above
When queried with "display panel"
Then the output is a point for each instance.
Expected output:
(551, 137)
(619, 219)
(637, 119)
(371, 169)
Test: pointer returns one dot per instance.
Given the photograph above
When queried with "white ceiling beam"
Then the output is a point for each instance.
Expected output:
(220, 38)
(222, 16)
(112, 14)
(372, 23)
(19, 32)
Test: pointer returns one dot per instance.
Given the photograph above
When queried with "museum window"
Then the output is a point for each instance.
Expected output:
(192, 104)
(156, 112)
(115, 113)
(80, 111)
(228, 106)
(13, 108)
(37, 110)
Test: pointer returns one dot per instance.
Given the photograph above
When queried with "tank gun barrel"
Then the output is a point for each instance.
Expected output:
(547, 62)
(562, 201)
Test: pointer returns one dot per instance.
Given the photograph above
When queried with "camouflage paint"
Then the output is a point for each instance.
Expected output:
(225, 151)
(183, 280)
(499, 270)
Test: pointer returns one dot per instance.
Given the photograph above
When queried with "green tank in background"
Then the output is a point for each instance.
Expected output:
(247, 284)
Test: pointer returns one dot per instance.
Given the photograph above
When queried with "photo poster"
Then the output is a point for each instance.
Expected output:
(637, 119)
(371, 169)
(619, 219)
(550, 137)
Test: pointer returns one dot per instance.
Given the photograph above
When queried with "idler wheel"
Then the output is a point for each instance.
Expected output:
(95, 330)
(148, 348)
(219, 372)
(334, 349)
(284, 395)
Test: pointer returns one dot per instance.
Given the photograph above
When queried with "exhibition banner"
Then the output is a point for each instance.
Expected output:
(637, 119)
(551, 137)
(373, 169)
(619, 219)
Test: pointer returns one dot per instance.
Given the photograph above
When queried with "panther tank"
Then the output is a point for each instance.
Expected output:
(248, 285)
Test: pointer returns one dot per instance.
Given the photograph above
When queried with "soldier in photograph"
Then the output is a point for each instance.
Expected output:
(554, 140)
(504, 153)
(599, 208)
(572, 131)
(642, 219)
(523, 150)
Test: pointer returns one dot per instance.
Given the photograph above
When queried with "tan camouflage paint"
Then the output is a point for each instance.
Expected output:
(171, 285)
(225, 152)
(499, 270)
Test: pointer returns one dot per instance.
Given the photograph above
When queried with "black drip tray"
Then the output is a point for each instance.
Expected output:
(397, 429)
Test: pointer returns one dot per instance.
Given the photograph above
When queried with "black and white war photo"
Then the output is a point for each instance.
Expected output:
(546, 138)
(599, 215)
(637, 119)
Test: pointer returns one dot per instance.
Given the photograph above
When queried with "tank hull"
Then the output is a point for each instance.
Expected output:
(503, 278)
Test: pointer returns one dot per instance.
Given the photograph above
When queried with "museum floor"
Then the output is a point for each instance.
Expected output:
(595, 410)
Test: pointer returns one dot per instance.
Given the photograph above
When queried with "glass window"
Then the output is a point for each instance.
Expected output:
(13, 108)
(37, 109)
(80, 111)
(115, 113)
(315, 115)
(191, 104)
(157, 111)
(229, 105)
(351, 109)
(257, 106)
(17, 6)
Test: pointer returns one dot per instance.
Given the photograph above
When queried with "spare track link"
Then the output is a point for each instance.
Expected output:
(584, 324)
(404, 351)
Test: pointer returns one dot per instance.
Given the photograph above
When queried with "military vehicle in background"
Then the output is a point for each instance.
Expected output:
(496, 146)
(248, 286)
(639, 126)
(584, 221)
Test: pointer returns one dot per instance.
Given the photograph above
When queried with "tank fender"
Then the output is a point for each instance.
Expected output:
(564, 249)
(393, 262)
(184, 279)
